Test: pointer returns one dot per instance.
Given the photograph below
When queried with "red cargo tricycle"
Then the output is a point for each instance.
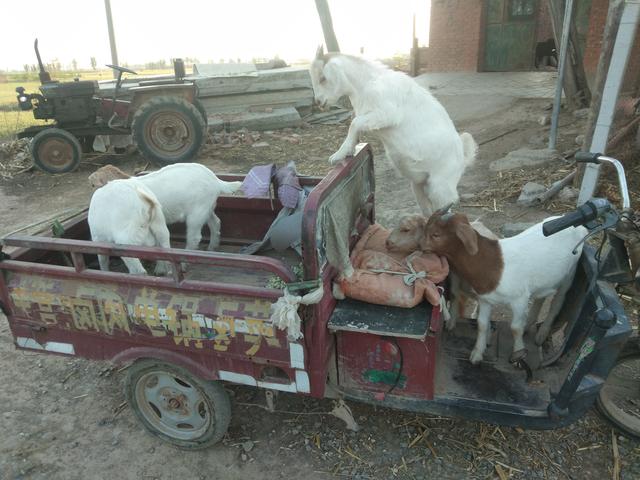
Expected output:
(209, 324)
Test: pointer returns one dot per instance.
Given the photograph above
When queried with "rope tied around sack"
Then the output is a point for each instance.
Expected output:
(408, 278)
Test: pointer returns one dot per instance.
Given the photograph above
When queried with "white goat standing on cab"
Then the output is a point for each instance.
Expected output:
(188, 193)
(418, 135)
(127, 213)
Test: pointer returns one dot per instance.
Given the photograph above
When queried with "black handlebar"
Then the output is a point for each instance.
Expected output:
(587, 157)
(585, 213)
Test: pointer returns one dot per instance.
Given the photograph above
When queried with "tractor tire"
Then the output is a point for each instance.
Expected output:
(56, 151)
(168, 130)
(176, 406)
(198, 104)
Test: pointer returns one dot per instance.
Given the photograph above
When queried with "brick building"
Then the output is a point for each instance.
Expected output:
(501, 35)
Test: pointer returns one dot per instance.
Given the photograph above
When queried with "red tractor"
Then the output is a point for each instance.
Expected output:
(164, 117)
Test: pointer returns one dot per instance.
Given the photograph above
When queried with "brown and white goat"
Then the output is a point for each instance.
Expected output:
(510, 271)
(406, 238)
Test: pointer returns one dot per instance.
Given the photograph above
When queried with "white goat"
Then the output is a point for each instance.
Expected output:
(188, 193)
(418, 135)
(510, 271)
(126, 212)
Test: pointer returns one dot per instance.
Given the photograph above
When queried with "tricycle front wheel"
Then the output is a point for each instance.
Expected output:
(176, 406)
(619, 398)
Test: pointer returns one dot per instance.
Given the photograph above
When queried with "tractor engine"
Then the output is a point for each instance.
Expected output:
(68, 103)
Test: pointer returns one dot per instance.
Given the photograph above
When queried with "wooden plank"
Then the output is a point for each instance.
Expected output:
(231, 103)
(279, 118)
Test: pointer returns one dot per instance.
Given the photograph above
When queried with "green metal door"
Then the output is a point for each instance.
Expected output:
(510, 35)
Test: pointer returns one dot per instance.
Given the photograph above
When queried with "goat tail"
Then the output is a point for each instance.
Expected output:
(230, 187)
(469, 148)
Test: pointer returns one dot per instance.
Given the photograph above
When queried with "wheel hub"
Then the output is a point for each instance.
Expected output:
(169, 133)
(173, 406)
(56, 152)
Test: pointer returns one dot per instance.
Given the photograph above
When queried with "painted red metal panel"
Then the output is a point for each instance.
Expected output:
(379, 364)
(211, 328)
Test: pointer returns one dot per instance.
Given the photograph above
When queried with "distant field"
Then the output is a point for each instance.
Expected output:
(12, 120)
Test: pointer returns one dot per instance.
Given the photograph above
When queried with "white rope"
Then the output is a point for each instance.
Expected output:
(284, 313)
(444, 309)
(408, 278)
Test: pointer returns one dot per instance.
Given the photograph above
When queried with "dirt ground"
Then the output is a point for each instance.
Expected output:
(66, 418)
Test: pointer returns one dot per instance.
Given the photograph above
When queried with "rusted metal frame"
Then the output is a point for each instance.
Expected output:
(317, 336)
(316, 197)
(172, 255)
(142, 280)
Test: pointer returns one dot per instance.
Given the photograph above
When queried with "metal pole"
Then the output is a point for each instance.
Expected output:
(615, 75)
(564, 45)
(112, 36)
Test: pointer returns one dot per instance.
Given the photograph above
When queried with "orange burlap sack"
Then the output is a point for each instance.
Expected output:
(373, 282)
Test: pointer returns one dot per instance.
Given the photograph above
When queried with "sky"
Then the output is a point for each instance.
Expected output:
(148, 30)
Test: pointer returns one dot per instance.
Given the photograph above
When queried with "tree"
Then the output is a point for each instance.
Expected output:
(74, 64)
(93, 63)
(26, 67)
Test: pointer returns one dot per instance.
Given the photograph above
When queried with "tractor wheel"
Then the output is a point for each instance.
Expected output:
(56, 151)
(168, 130)
(619, 398)
(198, 104)
(176, 406)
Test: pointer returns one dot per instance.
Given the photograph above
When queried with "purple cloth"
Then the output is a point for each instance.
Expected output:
(258, 181)
(288, 185)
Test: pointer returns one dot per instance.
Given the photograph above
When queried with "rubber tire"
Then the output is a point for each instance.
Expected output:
(178, 105)
(630, 350)
(60, 134)
(213, 392)
(203, 111)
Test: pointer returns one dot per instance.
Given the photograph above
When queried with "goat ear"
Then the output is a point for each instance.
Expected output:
(320, 52)
(468, 237)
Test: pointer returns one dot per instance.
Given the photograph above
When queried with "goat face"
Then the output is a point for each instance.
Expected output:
(327, 80)
(406, 236)
(446, 233)
(104, 175)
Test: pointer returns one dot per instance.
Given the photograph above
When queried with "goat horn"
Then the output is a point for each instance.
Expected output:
(320, 52)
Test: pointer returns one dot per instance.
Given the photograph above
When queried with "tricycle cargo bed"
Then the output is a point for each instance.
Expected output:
(212, 316)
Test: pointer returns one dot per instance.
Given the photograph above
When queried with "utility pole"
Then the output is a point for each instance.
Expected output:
(112, 36)
(622, 46)
(327, 26)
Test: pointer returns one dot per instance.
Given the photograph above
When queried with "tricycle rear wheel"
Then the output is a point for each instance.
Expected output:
(176, 406)
(619, 398)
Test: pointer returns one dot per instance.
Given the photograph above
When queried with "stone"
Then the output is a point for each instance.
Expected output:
(260, 144)
(579, 140)
(567, 194)
(511, 229)
(529, 192)
(524, 157)
(467, 196)
(544, 120)
(247, 446)
(581, 113)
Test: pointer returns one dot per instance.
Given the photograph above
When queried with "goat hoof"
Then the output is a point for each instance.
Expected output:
(518, 355)
(476, 357)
